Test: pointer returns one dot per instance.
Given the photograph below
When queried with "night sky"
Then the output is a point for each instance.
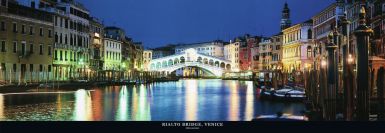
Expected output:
(160, 22)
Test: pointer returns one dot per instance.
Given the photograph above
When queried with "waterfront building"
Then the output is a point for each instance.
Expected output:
(255, 64)
(138, 56)
(113, 52)
(214, 48)
(378, 25)
(147, 57)
(276, 52)
(251, 43)
(231, 53)
(297, 47)
(245, 58)
(26, 39)
(71, 35)
(265, 52)
(323, 24)
(128, 54)
(96, 48)
(269, 55)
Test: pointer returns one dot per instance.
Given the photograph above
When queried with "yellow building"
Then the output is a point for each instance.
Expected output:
(297, 47)
(231, 53)
(147, 57)
(26, 44)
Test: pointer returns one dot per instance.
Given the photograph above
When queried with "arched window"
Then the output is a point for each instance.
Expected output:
(309, 34)
(309, 52)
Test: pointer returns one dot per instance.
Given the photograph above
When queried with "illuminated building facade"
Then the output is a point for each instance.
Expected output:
(323, 24)
(214, 48)
(255, 65)
(112, 56)
(231, 53)
(96, 48)
(112, 59)
(276, 52)
(265, 55)
(147, 57)
(138, 56)
(26, 44)
(297, 47)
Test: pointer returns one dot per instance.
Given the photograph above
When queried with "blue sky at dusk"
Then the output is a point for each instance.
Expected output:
(160, 22)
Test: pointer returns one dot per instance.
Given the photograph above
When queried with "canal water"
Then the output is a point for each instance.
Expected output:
(184, 100)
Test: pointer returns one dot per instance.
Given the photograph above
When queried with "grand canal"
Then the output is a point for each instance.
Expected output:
(185, 100)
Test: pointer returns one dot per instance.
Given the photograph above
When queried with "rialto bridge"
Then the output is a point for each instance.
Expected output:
(191, 58)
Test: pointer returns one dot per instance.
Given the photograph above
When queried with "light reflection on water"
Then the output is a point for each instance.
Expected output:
(185, 100)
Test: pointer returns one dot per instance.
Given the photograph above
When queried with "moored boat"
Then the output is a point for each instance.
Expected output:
(287, 93)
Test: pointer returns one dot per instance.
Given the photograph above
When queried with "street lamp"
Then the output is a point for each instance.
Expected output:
(350, 59)
(323, 63)
(124, 70)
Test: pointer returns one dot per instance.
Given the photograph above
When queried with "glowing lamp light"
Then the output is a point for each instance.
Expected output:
(323, 63)
(81, 61)
(350, 58)
(97, 35)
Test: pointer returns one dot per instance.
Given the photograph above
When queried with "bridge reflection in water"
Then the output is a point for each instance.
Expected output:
(185, 100)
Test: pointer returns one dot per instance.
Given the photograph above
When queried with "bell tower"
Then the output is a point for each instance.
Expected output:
(285, 21)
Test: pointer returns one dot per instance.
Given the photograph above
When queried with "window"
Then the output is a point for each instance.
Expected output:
(309, 51)
(14, 47)
(66, 39)
(31, 67)
(33, 4)
(61, 55)
(14, 27)
(309, 34)
(70, 56)
(66, 23)
(30, 30)
(14, 67)
(56, 38)
(65, 55)
(55, 20)
(41, 31)
(74, 56)
(61, 22)
(23, 49)
(31, 48)
(41, 49)
(49, 33)
(3, 46)
(49, 68)
(3, 2)
(55, 57)
(71, 40)
(61, 38)
(71, 25)
(41, 68)
(49, 50)
(3, 67)
(2, 26)
(23, 29)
